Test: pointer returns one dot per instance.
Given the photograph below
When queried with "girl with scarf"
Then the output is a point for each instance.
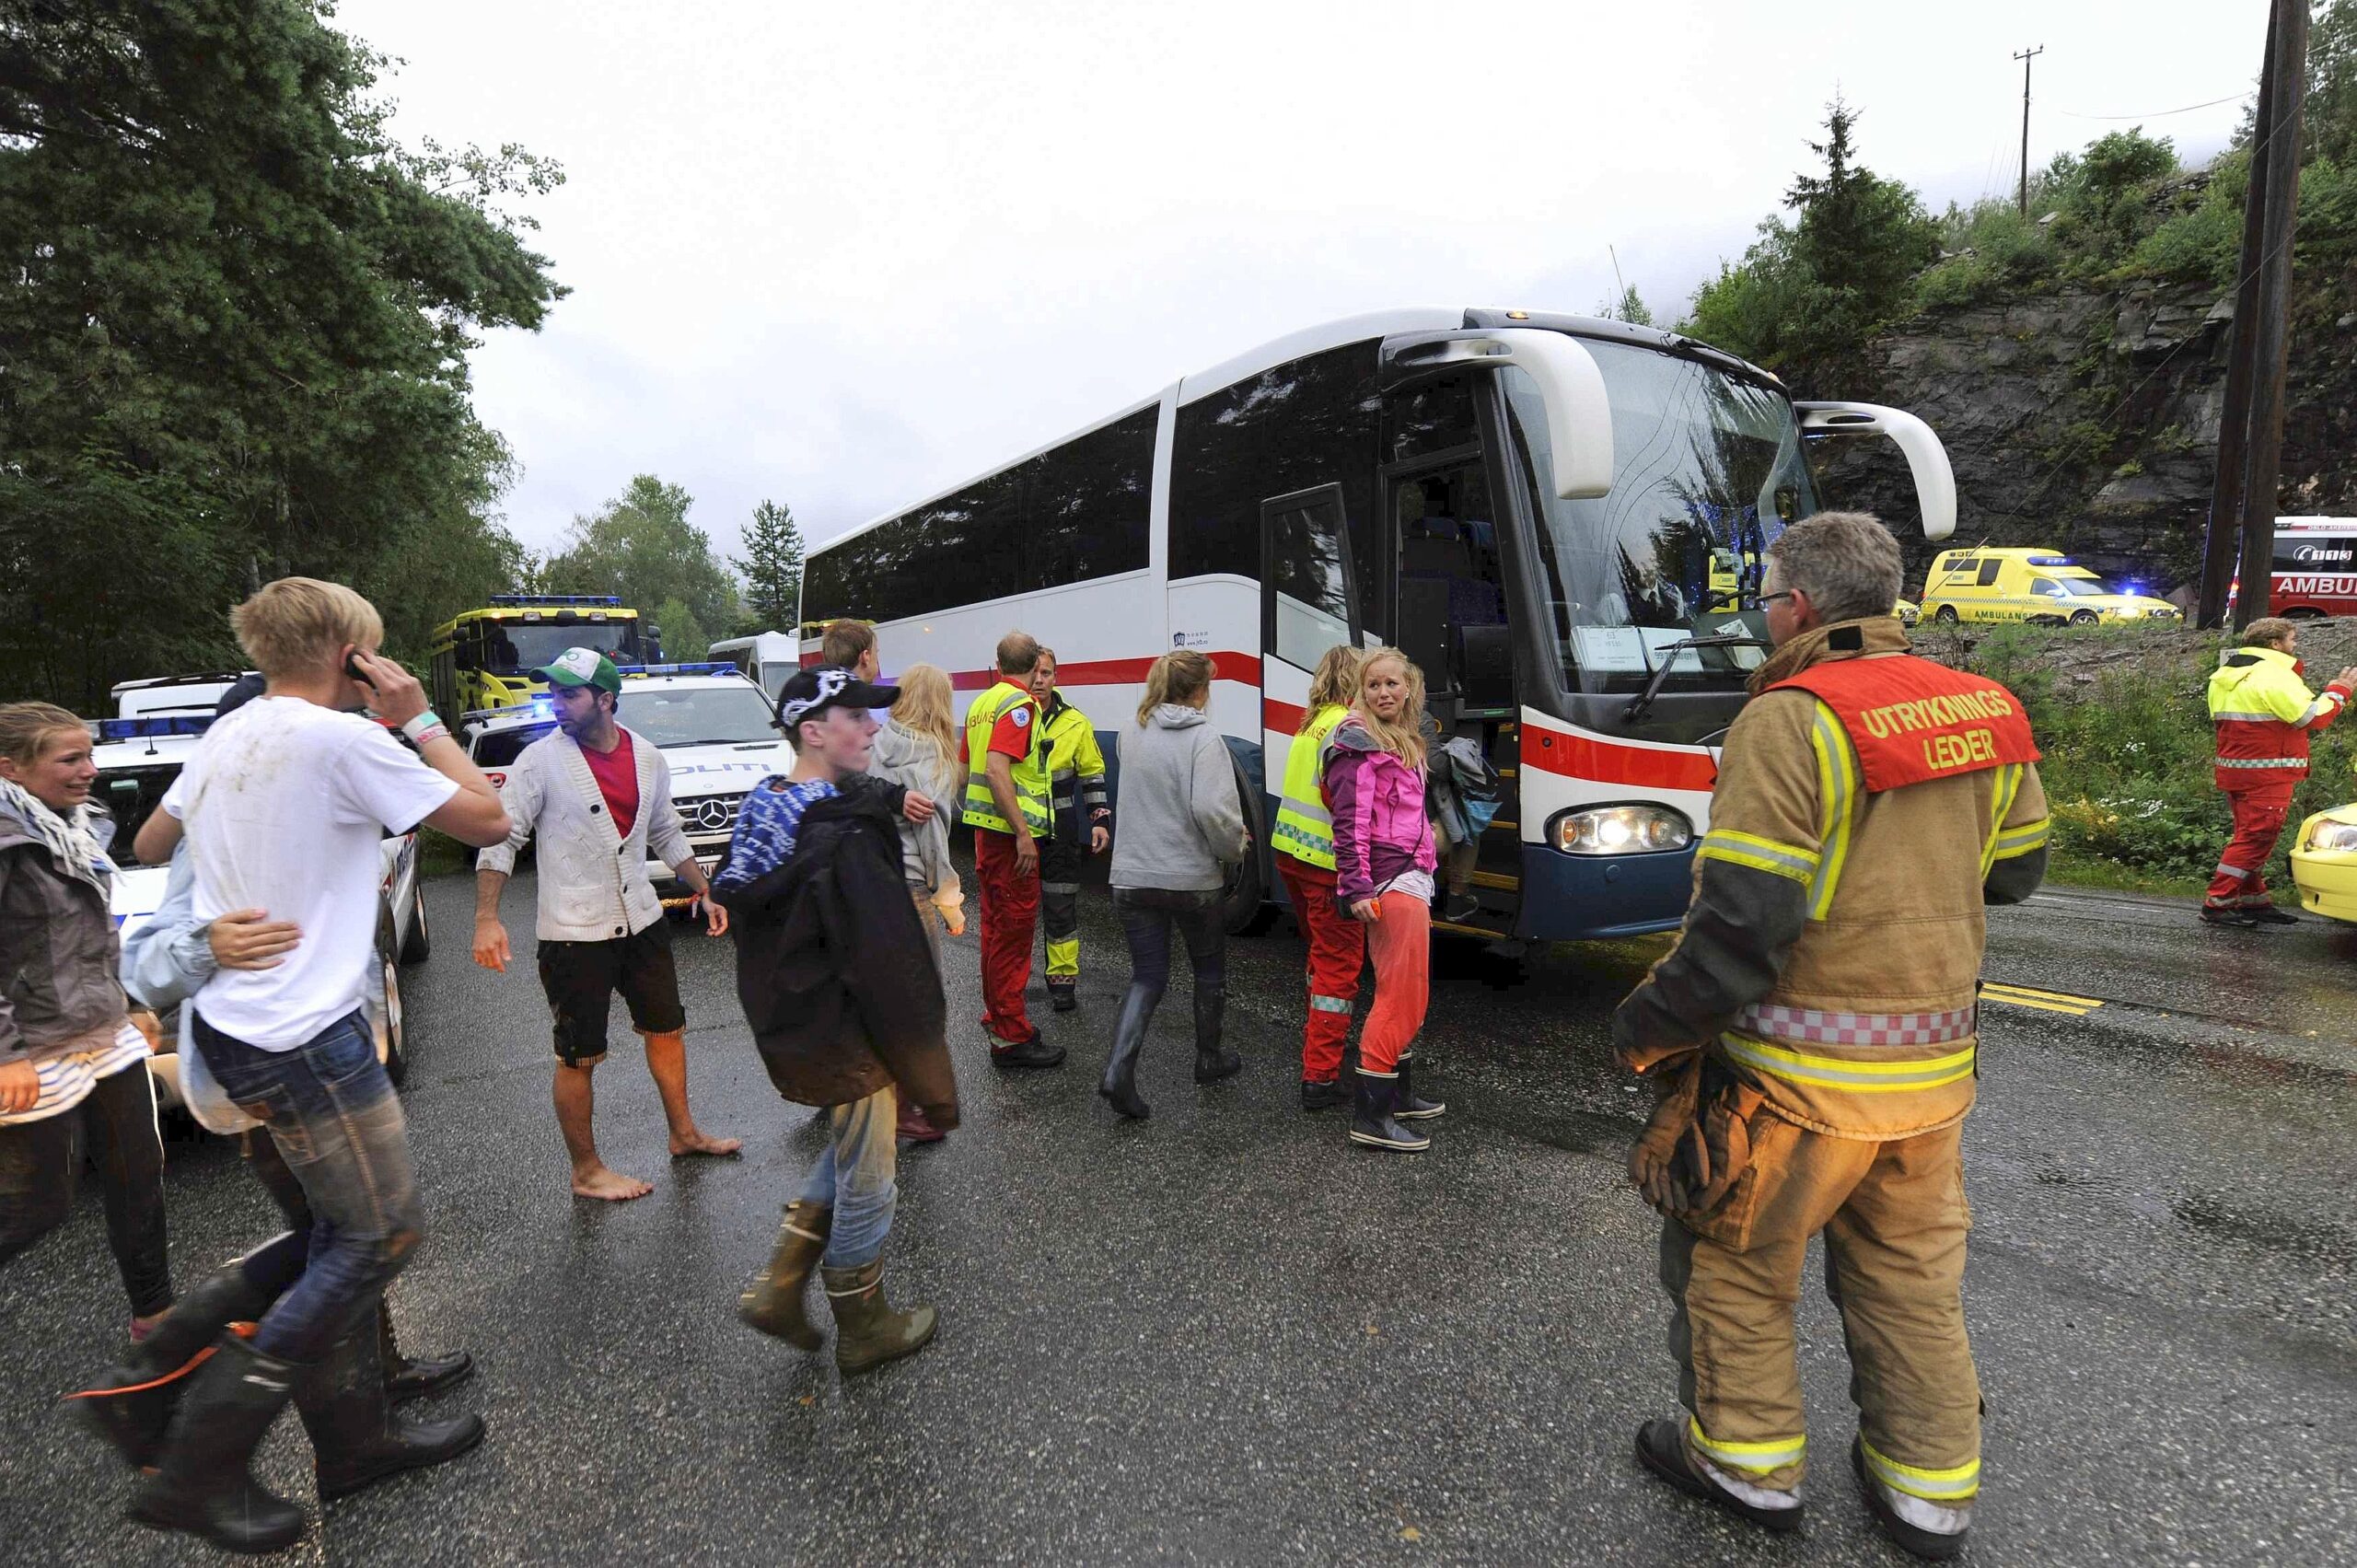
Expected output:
(74, 1080)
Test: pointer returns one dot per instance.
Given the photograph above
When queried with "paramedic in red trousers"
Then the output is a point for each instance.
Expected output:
(2265, 713)
(1007, 806)
(1815, 1037)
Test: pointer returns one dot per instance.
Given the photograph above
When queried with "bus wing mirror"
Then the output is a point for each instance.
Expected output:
(1927, 460)
(1579, 410)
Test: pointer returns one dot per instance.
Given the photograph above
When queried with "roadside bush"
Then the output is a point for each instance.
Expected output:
(2127, 753)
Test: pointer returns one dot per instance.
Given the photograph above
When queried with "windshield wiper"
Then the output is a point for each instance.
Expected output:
(1644, 700)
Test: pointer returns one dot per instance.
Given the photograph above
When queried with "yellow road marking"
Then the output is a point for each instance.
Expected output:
(2045, 996)
(2043, 1001)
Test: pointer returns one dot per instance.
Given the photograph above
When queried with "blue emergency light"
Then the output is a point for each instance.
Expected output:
(154, 727)
(717, 668)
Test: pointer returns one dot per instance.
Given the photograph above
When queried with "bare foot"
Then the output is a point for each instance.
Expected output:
(703, 1143)
(611, 1186)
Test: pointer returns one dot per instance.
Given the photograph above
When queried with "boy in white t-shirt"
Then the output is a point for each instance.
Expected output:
(283, 805)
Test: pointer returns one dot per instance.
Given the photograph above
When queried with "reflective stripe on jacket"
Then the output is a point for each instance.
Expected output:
(1076, 768)
(2264, 713)
(1305, 827)
(1832, 949)
(1030, 777)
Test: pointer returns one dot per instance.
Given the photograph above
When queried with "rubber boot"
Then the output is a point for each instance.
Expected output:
(1371, 1118)
(772, 1300)
(132, 1405)
(1405, 1105)
(867, 1331)
(356, 1440)
(1119, 1087)
(1213, 1060)
(1063, 994)
(201, 1483)
(407, 1380)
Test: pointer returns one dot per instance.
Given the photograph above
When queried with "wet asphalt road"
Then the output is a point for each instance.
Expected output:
(1224, 1335)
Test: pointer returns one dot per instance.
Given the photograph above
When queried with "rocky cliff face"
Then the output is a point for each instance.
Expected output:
(2088, 421)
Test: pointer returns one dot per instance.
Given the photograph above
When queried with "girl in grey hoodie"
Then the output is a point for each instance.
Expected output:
(1181, 824)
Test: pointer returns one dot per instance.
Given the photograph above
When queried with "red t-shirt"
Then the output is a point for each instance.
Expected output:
(1011, 736)
(617, 776)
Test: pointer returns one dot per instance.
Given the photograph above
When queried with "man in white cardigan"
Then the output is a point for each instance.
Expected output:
(599, 797)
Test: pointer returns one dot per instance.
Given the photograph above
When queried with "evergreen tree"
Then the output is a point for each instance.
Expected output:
(772, 567)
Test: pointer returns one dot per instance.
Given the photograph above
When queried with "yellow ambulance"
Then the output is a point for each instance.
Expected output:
(2039, 586)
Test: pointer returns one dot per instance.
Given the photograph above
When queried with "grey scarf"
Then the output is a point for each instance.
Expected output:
(76, 841)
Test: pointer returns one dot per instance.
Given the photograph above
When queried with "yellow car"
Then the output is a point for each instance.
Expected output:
(2038, 585)
(2324, 862)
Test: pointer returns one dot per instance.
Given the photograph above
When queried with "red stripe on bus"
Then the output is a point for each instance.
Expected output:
(1605, 761)
(1283, 718)
(1114, 672)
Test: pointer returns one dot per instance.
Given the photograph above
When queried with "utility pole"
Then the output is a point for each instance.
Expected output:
(2026, 56)
(2250, 427)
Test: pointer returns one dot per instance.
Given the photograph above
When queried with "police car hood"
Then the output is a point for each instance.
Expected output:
(728, 769)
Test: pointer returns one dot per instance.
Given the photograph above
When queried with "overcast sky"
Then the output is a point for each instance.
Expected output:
(842, 256)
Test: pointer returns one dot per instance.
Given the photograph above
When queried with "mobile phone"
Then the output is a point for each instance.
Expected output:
(351, 667)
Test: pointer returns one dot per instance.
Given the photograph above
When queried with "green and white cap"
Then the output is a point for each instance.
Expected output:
(582, 666)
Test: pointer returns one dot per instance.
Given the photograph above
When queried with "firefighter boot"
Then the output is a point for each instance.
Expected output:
(1406, 1105)
(356, 1440)
(407, 1380)
(1371, 1117)
(1661, 1448)
(201, 1483)
(1929, 1529)
(132, 1405)
(867, 1331)
(772, 1300)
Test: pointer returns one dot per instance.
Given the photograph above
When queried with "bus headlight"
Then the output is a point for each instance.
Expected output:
(2334, 838)
(1620, 830)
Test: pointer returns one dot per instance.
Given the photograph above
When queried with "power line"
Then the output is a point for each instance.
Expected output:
(2164, 114)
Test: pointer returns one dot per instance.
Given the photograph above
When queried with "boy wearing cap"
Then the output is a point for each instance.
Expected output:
(839, 984)
(599, 797)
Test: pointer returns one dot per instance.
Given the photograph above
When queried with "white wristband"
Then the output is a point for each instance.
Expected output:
(424, 728)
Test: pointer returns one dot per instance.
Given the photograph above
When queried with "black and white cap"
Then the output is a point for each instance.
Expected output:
(809, 692)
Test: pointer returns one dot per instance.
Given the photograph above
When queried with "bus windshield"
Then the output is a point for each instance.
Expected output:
(512, 647)
(1708, 470)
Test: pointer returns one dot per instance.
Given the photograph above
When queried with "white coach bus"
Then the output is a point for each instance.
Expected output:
(1534, 506)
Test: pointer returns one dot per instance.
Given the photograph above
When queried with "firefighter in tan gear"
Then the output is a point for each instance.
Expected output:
(1813, 1031)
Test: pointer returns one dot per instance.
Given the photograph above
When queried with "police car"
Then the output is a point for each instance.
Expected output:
(137, 757)
(715, 729)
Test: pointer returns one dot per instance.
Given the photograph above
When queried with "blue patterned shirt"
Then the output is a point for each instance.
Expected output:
(766, 825)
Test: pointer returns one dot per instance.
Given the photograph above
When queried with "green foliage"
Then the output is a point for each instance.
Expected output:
(1630, 308)
(2127, 765)
(772, 567)
(684, 639)
(642, 546)
(235, 315)
(1809, 295)
(2118, 211)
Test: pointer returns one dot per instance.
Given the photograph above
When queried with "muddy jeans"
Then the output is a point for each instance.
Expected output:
(335, 1120)
(854, 1175)
(40, 1164)
(1148, 915)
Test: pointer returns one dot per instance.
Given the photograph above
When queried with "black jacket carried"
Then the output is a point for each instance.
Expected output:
(833, 969)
